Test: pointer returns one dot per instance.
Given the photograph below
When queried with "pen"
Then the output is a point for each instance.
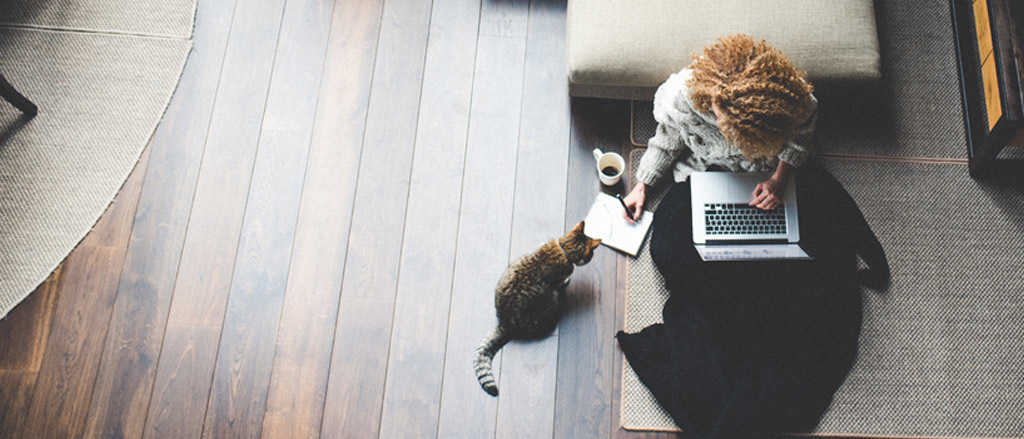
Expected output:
(628, 213)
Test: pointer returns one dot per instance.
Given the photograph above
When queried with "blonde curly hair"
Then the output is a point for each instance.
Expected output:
(763, 97)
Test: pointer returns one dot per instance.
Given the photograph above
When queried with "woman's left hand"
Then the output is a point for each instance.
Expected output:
(768, 194)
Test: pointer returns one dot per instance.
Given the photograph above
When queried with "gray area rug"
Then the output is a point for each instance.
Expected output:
(941, 349)
(915, 111)
(102, 81)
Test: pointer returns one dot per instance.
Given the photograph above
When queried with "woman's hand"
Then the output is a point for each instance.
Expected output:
(635, 201)
(768, 193)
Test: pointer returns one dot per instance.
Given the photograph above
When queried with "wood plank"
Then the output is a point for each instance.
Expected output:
(412, 394)
(587, 348)
(505, 18)
(993, 101)
(298, 385)
(245, 358)
(123, 387)
(60, 399)
(208, 255)
(621, 295)
(211, 241)
(527, 406)
(15, 396)
(485, 226)
(364, 326)
(23, 335)
(24, 330)
(184, 362)
(543, 155)
(375, 238)
(371, 268)
(983, 30)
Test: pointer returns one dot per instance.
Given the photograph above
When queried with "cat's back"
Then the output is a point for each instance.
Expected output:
(530, 269)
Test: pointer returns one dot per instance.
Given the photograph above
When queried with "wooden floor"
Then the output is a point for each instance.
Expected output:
(310, 243)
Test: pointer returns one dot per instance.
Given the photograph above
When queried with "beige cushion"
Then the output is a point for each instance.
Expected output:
(625, 48)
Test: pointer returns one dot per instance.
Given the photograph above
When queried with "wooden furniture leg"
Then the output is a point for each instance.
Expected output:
(11, 95)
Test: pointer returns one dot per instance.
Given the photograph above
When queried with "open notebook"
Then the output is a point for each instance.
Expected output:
(605, 221)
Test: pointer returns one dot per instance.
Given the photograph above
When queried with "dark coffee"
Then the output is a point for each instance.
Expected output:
(610, 171)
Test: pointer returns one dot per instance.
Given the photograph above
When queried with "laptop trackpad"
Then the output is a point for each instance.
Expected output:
(751, 252)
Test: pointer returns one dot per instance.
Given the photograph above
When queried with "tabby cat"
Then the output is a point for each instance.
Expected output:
(528, 297)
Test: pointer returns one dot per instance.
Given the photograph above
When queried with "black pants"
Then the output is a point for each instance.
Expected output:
(756, 346)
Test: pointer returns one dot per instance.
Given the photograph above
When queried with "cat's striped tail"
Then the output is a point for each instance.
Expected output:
(484, 355)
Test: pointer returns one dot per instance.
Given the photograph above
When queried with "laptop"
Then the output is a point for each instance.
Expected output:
(726, 228)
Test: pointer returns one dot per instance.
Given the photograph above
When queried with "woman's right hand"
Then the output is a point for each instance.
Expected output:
(635, 201)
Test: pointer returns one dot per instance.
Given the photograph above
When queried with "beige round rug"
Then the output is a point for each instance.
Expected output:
(102, 73)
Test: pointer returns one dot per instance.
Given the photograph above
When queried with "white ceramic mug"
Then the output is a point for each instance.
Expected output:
(606, 160)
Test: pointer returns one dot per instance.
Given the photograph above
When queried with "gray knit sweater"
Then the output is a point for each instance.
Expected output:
(688, 140)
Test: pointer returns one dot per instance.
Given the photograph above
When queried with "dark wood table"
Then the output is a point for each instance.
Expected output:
(991, 58)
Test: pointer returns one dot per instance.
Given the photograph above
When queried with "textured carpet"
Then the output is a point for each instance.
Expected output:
(102, 81)
(915, 111)
(941, 349)
(167, 18)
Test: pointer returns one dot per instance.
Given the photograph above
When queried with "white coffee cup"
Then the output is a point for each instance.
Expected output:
(606, 160)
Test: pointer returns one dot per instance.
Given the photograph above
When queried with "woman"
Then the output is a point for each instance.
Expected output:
(749, 347)
(742, 106)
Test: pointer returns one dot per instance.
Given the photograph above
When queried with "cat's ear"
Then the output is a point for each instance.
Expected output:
(578, 228)
(593, 243)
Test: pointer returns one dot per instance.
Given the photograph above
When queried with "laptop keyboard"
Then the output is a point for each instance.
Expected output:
(742, 219)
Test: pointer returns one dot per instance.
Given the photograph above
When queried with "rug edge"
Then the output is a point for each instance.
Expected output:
(186, 51)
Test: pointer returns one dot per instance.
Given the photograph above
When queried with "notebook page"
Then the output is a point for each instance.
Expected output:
(605, 221)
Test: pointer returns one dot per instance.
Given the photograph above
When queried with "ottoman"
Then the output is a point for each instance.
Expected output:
(624, 49)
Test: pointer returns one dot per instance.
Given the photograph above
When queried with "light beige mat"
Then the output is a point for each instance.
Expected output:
(163, 18)
(102, 83)
(646, 296)
(941, 350)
